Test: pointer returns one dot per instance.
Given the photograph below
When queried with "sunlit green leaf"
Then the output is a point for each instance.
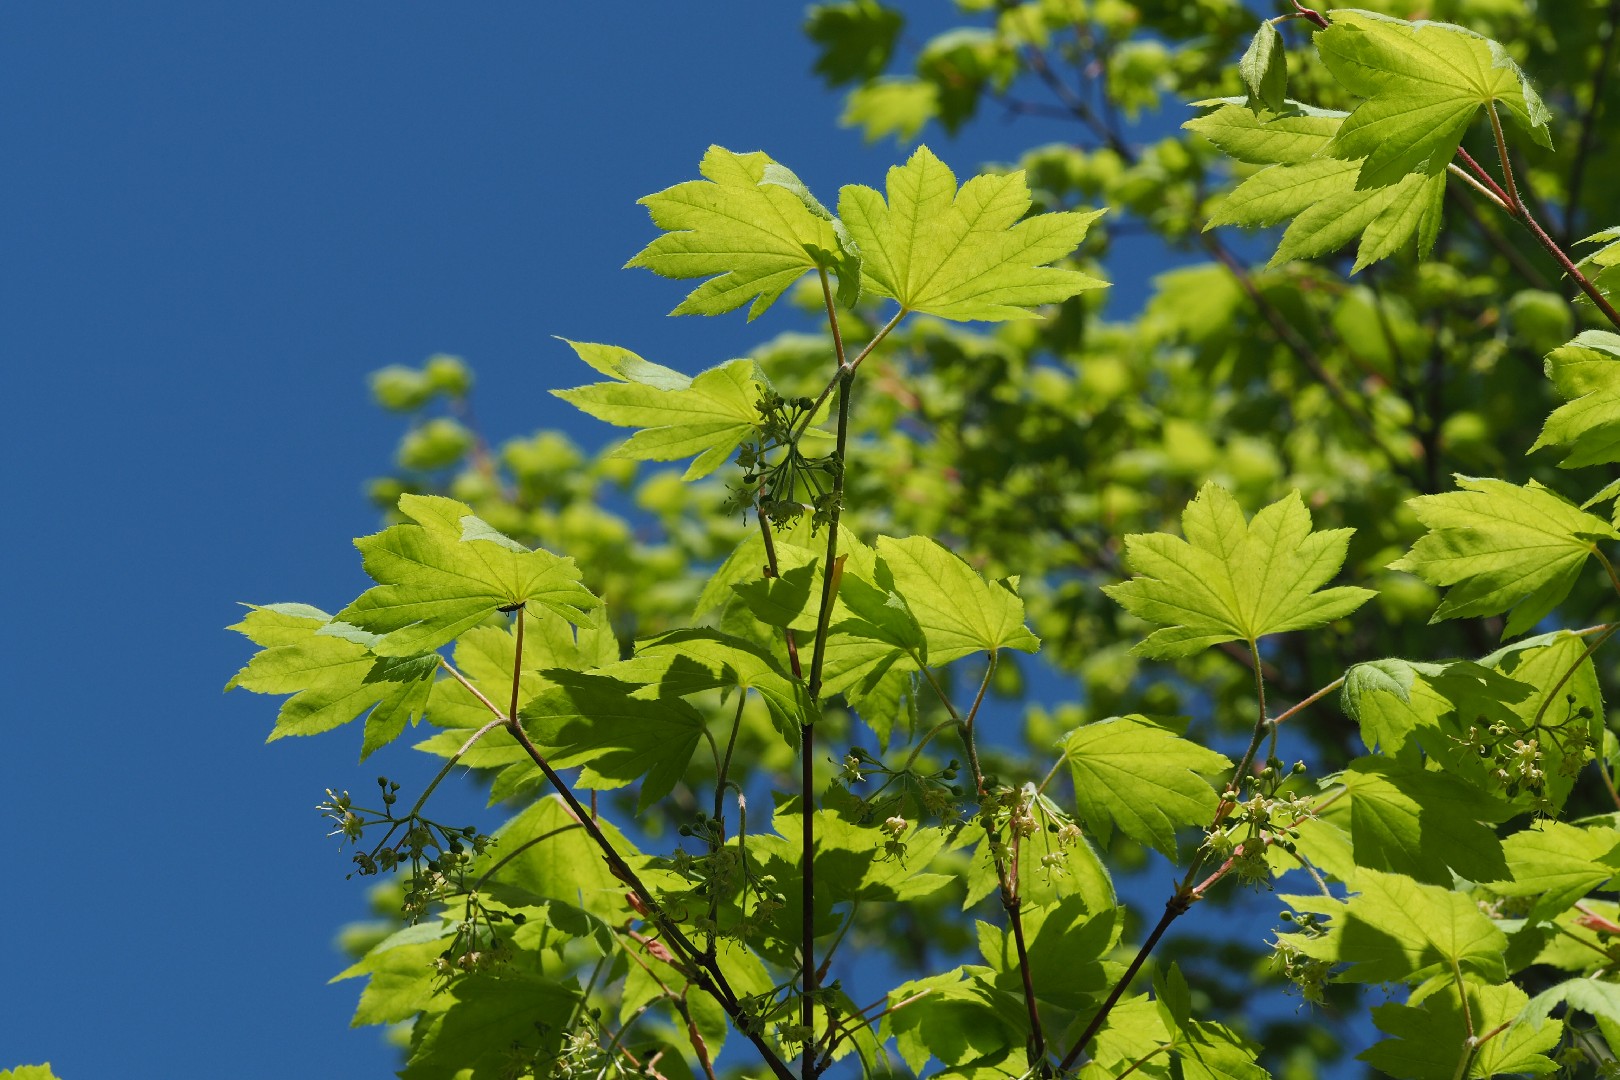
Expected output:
(962, 254)
(1232, 578)
(1133, 773)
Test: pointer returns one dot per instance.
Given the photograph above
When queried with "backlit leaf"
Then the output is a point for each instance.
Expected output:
(1586, 373)
(448, 572)
(704, 418)
(962, 254)
(333, 677)
(1135, 774)
(1423, 83)
(1500, 546)
(1397, 930)
(1234, 579)
(751, 240)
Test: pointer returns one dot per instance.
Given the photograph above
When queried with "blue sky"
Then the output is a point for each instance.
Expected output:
(220, 218)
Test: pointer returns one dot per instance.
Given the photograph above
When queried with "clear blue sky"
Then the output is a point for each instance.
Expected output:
(218, 218)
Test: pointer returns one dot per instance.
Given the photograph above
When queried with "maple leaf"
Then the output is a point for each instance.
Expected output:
(1499, 547)
(332, 675)
(1235, 579)
(449, 571)
(704, 418)
(1586, 373)
(1319, 193)
(1423, 82)
(756, 238)
(965, 254)
(1437, 1040)
(1396, 930)
(1603, 265)
(1131, 772)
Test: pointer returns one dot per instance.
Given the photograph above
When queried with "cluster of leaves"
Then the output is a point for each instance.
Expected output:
(1457, 849)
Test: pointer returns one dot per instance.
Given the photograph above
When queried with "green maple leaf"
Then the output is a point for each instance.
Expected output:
(1559, 863)
(1318, 193)
(616, 738)
(1068, 946)
(685, 662)
(542, 853)
(965, 254)
(956, 1022)
(1424, 82)
(1130, 772)
(705, 418)
(1586, 373)
(29, 1072)
(1430, 1040)
(1422, 822)
(1589, 995)
(1499, 546)
(480, 1020)
(1204, 1050)
(750, 238)
(448, 572)
(1397, 930)
(958, 612)
(332, 675)
(1602, 266)
(400, 978)
(855, 39)
(1235, 580)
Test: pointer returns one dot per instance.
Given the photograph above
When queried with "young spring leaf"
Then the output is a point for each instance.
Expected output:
(1423, 83)
(752, 240)
(685, 662)
(1319, 193)
(1602, 266)
(477, 1024)
(616, 738)
(1068, 944)
(1264, 69)
(1500, 547)
(958, 611)
(1434, 1040)
(1558, 863)
(965, 254)
(1130, 772)
(1396, 930)
(1423, 823)
(708, 416)
(332, 675)
(449, 572)
(1233, 579)
(1586, 373)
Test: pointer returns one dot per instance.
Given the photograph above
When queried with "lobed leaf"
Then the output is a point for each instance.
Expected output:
(962, 255)
(1130, 772)
(332, 675)
(1586, 373)
(1501, 547)
(1424, 82)
(1233, 579)
(751, 239)
(448, 572)
(1397, 930)
(705, 418)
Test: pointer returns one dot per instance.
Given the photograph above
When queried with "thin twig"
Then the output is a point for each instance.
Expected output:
(1312, 700)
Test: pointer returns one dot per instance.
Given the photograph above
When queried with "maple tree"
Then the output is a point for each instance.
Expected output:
(867, 537)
